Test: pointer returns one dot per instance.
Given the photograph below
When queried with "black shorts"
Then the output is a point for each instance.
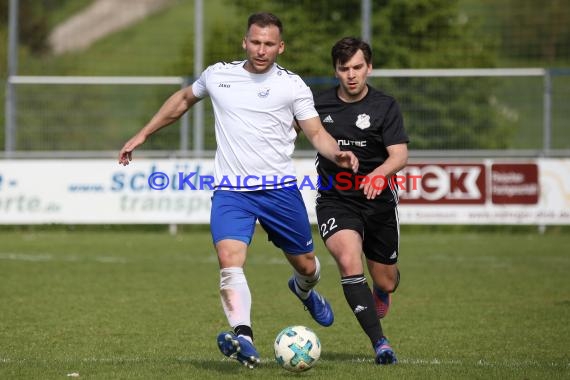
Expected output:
(380, 230)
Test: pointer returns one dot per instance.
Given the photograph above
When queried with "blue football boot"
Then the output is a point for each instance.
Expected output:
(238, 348)
(317, 305)
(384, 352)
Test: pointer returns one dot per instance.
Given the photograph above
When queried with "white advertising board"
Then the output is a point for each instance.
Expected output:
(442, 192)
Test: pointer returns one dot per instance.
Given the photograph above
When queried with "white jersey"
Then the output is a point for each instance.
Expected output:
(253, 116)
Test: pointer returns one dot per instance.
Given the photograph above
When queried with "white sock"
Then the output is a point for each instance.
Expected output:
(304, 284)
(236, 297)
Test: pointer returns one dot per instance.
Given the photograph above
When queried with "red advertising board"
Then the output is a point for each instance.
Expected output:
(444, 183)
(514, 184)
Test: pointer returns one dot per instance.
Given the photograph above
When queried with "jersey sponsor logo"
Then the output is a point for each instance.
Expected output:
(328, 119)
(263, 92)
(224, 85)
(363, 121)
(351, 143)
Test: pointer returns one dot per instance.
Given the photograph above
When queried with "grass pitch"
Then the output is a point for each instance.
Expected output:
(145, 305)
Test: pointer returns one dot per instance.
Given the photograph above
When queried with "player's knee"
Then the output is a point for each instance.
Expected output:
(389, 285)
(305, 265)
(228, 257)
(386, 286)
(391, 288)
(225, 257)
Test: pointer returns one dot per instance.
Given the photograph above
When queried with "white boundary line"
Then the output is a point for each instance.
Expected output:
(406, 361)
(41, 257)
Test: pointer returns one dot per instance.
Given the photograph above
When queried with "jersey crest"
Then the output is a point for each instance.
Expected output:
(263, 92)
(363, 121)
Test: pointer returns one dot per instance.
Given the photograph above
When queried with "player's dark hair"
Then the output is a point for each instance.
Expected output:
(264, 19)
(347, 47)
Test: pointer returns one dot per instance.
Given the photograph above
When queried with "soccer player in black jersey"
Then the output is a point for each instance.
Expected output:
(358, 212)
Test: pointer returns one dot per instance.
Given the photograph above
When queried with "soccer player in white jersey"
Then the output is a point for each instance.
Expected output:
(255, 102)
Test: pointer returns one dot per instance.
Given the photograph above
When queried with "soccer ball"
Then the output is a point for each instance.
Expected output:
(297, 348)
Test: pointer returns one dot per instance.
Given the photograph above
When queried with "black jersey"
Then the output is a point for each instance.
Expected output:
(366, 128)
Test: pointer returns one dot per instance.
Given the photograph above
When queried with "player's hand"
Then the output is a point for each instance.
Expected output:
(373, 185)
(346, 159)
(126, 153)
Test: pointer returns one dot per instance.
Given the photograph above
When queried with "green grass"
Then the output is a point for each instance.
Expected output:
(146, 48)
(68, 9)
(145, 305)
(153, 46)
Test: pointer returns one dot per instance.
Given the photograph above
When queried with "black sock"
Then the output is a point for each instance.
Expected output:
(359, 298)
(244, 330)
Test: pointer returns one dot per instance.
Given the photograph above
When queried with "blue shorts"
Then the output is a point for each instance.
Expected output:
(281, 213)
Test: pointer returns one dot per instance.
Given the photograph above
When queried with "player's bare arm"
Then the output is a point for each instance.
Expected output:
(174, 107)
(326, 145)
(296, 127)
(396, 161)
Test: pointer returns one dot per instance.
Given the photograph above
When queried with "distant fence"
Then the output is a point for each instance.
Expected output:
(447, 112)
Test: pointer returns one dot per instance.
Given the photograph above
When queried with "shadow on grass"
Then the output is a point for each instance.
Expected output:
(229, 366)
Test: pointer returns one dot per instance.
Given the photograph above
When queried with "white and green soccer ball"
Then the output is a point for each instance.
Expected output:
(297, 348)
